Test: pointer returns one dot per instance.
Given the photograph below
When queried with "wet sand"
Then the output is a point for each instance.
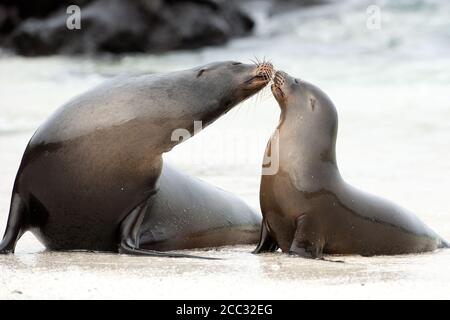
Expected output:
(240, 275)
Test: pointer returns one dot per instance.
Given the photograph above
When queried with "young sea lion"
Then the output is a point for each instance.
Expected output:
(308, 209)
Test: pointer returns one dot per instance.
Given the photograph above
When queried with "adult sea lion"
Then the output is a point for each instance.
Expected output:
(92, 175)
(308, 209)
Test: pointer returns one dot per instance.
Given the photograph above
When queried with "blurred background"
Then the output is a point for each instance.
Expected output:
(385, 64)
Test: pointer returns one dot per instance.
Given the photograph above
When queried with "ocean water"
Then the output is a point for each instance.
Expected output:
(391, 86)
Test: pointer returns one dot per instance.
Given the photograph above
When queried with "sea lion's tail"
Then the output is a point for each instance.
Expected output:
(16, 226)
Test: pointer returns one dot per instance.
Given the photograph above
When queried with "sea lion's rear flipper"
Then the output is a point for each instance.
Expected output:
(16, 226)
(129, 237)
(267, 242)
(308, 240)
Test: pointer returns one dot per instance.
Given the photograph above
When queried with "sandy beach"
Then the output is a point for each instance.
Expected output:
(33, 273)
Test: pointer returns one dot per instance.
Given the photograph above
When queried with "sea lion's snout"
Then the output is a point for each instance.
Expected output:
(280, 78)
(265, 71)
(278, 87)
(260, 76)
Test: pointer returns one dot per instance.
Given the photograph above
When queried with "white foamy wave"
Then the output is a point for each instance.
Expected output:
(408, 28)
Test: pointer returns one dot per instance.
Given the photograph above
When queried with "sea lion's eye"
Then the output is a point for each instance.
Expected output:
(200, 73)
(296, 81)
(236, 63)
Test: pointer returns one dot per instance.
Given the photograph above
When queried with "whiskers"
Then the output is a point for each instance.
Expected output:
(267, 72)
(263, 95)
(265, 68)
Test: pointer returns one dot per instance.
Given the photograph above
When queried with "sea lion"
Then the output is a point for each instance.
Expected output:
(308, 209)
(90, 176)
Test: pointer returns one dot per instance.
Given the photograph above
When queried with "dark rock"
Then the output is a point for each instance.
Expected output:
(193, 26)
(9, 19)
(118, 26)
(39, 8)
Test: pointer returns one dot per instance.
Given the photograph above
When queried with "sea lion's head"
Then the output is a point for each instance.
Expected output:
(295, 95)
(306, 113)
(232, 82)
(203, 94)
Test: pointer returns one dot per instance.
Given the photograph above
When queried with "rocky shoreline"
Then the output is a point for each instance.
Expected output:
(39, 27)
(33, 28)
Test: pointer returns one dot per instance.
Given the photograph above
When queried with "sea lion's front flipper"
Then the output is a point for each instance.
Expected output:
(308, 241)
(267, 243)
(129, 236)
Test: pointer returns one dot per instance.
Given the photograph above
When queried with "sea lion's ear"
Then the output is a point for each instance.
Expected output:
(313, 103)
(199, 74)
